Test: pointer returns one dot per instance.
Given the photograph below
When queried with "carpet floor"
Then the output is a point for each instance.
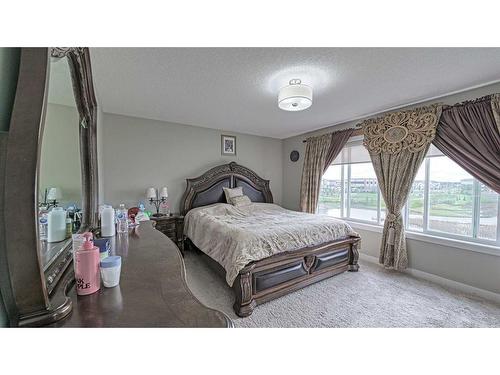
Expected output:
(372, 297)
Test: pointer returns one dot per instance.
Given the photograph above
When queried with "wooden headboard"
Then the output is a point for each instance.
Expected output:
(207, 188)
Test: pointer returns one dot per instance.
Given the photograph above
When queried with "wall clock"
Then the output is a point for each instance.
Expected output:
(294, 155)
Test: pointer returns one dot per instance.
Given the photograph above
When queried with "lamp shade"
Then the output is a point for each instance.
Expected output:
(295, 97)
(151, 193)
(54, 194)
(164, 192)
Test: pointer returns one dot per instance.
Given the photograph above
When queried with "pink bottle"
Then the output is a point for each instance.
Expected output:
(87, 260)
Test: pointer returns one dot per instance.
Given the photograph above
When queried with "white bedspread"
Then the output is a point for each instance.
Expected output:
(236, 236)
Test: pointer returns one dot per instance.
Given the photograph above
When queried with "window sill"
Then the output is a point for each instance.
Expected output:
(464, 245)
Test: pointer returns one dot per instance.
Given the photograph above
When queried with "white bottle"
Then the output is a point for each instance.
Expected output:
(122, 219)
(108, 221)
(56, 225)
(42, 232)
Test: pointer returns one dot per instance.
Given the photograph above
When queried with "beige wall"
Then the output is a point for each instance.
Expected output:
(138, 153)
(60, 156)
(472, 268)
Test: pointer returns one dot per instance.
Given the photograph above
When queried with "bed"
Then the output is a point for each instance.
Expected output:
(263, 250)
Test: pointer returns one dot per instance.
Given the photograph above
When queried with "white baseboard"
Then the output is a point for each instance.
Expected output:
(369, 258)
(486, 294)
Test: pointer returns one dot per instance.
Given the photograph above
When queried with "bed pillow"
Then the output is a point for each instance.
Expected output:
(241, 201)
(230, 193)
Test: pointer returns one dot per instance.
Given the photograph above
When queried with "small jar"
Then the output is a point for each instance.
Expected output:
(110, 271)
(104, 247)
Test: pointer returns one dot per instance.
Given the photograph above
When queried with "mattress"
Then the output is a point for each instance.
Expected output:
(235, 236)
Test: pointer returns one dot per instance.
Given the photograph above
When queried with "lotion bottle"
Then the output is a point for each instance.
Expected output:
(87, 273)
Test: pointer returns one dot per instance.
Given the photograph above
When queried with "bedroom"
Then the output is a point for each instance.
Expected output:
(249, 187)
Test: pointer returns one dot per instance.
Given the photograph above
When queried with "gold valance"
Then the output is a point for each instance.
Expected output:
(410, 130)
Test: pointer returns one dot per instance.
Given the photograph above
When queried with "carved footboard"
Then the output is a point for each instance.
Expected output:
(278, 275)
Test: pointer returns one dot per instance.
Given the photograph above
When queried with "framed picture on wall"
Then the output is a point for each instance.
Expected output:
(228, 145)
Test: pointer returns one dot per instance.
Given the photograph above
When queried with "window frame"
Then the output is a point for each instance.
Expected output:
(476, 213)
(345, 205)
(348, 198)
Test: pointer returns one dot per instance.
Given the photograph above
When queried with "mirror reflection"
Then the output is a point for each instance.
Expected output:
(59, 184)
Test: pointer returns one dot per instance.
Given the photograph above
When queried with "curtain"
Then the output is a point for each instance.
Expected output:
(398, 143)
(337, 143)
(495, 106)
(320, 152)
(469, 134)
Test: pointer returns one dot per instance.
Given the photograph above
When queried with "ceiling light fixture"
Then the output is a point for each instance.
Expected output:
(295, 96)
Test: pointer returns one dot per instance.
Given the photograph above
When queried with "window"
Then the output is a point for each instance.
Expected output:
(416, 202)
(451, 197)
(331, 191)
(444, 199)
(363, 192)
(351, 191)
(488, 214)
(349, 188)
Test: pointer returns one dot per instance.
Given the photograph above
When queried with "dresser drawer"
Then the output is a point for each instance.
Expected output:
(165, 227)
(172, 227)
(172, 234)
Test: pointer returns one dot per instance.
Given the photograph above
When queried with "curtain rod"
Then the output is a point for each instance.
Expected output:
(445, 107)
(355, 133)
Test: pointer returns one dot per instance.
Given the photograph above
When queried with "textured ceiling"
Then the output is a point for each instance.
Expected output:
(235, 89)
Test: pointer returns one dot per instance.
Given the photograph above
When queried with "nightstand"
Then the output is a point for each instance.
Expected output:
(172, 226)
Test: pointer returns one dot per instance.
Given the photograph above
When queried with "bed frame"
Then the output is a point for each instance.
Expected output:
(275, 276)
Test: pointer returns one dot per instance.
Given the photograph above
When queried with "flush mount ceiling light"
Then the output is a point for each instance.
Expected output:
(295, 96)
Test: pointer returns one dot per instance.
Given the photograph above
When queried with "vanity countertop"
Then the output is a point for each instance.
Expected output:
(152, 290)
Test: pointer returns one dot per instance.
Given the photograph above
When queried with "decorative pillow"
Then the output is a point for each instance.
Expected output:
(230, 193)
(241, 201)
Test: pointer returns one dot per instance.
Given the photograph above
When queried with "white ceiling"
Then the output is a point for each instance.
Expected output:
(236, 89)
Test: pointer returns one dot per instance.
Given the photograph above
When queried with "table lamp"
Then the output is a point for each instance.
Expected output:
(54, 195)
(156, 199)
